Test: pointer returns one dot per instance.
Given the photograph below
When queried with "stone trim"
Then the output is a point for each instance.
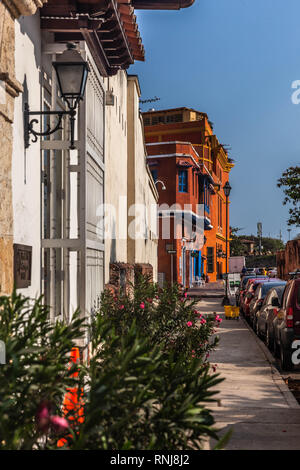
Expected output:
(23, 7)
(13, 87)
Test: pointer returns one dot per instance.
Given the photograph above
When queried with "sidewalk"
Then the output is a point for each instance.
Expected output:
(254, 401)
(209, 290)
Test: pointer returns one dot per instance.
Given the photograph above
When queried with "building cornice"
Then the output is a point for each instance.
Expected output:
(19, 8)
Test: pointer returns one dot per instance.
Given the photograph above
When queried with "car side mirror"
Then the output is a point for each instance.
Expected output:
(275, 302)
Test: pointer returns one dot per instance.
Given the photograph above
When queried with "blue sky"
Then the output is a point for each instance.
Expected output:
(236, 60)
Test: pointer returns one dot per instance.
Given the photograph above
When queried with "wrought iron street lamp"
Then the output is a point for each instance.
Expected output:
(226, 189)
(72, 72)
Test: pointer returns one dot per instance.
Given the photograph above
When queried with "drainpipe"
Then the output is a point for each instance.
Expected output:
(161, 4)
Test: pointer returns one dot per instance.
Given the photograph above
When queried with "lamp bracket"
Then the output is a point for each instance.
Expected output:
(29, 124)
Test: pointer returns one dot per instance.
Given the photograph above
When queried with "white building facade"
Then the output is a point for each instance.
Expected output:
(58, 193)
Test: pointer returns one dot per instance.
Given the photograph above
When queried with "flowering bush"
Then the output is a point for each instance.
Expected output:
(36, 374)
(149, 379)
(146, 385)
(138, 397)
(165, 316)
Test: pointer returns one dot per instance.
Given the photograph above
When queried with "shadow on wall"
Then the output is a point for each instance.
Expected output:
(30, 27)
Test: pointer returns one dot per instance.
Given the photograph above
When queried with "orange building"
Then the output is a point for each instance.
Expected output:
(181, 127)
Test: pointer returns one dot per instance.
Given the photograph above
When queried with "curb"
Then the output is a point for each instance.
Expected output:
(276, 376)
(206, 296)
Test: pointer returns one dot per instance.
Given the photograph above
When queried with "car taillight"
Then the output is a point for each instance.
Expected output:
(290, 318)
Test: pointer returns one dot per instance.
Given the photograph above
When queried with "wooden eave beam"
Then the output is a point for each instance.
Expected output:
(68, 36)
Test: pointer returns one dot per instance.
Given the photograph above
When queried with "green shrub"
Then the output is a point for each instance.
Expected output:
(141, 398)
(37, 355)
(146, 386)
(165, 316)
(149, 379)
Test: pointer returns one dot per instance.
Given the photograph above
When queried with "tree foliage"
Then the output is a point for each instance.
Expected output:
(238, 248)
(290, 182)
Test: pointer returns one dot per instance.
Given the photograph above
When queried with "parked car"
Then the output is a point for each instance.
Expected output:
(265, 316)
(260, 271)
(251, 287)
(246, 289)
(259, 297)
(241, 290)
(250, 271)
(287, 323)
(272, 272)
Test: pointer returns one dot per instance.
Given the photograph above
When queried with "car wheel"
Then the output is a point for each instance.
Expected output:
(285, 359)
(275, 348)
(257, 330)
(269, 341)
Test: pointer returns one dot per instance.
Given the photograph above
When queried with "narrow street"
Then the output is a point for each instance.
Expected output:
(254, 400)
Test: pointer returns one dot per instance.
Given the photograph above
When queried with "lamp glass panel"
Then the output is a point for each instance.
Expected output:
(70, 78)
(227, 189)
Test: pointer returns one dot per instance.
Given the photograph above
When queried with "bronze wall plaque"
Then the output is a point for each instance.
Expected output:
(22, 265)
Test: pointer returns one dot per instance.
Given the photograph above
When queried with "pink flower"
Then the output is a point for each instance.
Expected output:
(44, 419)
(185, 295)
(142, 305)
(203, 321)
(59, 424)
(189, 324)
(121, 307)
(43, 416)
(219, 320)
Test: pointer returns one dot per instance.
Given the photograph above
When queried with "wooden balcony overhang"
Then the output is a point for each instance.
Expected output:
(108, 26)
(161, 4)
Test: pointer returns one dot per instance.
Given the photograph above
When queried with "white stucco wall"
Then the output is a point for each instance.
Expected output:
(26, 164)
(145, 194)
(116, 170)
